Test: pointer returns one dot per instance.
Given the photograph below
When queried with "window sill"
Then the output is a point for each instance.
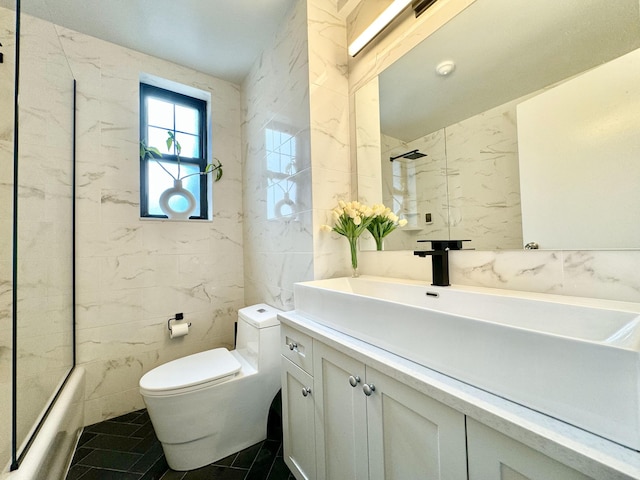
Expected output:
(190, 220)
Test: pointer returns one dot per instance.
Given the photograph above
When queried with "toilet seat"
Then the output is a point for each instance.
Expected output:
(189, 373)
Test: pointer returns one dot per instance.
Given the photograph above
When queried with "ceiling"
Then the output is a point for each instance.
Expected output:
(220, 37)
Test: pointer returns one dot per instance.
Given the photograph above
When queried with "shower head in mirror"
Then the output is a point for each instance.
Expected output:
(412, 155)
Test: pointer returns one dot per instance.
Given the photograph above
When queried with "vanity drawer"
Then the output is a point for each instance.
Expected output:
(297, 347)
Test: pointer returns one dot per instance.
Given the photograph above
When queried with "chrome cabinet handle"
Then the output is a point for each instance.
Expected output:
(354, 380)
(306, 391)
(292, 345)
(368, 389)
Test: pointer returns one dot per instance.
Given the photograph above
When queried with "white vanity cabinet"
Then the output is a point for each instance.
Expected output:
(370, 426)
(493, 456)
(352, 414)
(412, 435)
(298, 407)
(341, 429)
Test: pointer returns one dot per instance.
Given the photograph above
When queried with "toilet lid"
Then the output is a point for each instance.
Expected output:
(197, 369)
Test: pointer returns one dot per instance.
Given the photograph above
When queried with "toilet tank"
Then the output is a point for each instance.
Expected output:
(258, 338)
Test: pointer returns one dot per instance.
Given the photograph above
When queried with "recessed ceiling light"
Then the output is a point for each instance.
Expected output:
(445, 68)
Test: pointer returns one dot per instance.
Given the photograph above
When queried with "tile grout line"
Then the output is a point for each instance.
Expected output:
(147, 447)
(254, 460)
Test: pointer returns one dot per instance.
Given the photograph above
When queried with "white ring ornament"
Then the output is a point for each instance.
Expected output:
(286, 202)
(177, 191)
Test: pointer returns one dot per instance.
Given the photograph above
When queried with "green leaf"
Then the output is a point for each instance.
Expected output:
(171, 140)
(154, 152)
(148, 152)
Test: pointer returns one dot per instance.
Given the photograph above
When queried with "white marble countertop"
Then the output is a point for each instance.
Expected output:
(574, 447)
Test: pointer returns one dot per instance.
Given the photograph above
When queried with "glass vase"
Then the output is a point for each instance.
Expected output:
(353, 246)
(379, 243)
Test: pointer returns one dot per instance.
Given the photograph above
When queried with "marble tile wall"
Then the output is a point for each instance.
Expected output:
(7, 34)
(608, 275)
(299, 86)
(330, 141)
(599, 274)
(483, 179)
(369, 143)
(134, 274)
(277, 159)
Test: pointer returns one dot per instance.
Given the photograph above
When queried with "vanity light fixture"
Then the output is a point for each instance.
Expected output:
(420, 6)
(385, 18)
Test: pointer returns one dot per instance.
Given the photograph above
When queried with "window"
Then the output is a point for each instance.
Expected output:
(163, 112)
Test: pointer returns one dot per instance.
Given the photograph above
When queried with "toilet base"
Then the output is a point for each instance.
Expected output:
(199, 453)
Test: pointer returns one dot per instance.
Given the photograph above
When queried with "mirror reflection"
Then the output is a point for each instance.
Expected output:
(526, 135)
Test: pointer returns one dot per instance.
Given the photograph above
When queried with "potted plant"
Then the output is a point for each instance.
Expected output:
(150, 152)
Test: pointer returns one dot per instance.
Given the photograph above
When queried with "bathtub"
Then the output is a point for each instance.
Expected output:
(52, 450)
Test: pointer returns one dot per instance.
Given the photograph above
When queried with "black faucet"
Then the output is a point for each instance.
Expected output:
(440, 259)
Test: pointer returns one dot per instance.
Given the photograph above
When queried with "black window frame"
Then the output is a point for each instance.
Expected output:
(147, 91)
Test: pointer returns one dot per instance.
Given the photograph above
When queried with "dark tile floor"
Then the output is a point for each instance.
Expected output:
(126, 448)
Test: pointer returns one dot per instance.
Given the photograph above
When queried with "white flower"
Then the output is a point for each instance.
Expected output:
(392, 216)
(402, 222)
(378, 209)
(350, 219)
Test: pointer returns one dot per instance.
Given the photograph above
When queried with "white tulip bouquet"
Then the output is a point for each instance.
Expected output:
(353, 218)
(384, 222)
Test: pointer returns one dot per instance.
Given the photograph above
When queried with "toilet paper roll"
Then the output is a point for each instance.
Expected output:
(179, 330)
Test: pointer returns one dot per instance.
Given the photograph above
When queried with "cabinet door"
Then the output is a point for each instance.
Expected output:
(298, 419)
(493, 456)
(412, 436)
(341, 429)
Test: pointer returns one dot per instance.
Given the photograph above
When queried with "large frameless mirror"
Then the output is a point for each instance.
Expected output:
(513, 124)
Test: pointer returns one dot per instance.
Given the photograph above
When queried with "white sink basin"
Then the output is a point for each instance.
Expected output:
(572, 358)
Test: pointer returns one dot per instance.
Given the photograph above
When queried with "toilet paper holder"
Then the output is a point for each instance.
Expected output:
(178, 317)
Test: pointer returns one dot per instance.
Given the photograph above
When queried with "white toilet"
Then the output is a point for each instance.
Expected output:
(209, 405)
